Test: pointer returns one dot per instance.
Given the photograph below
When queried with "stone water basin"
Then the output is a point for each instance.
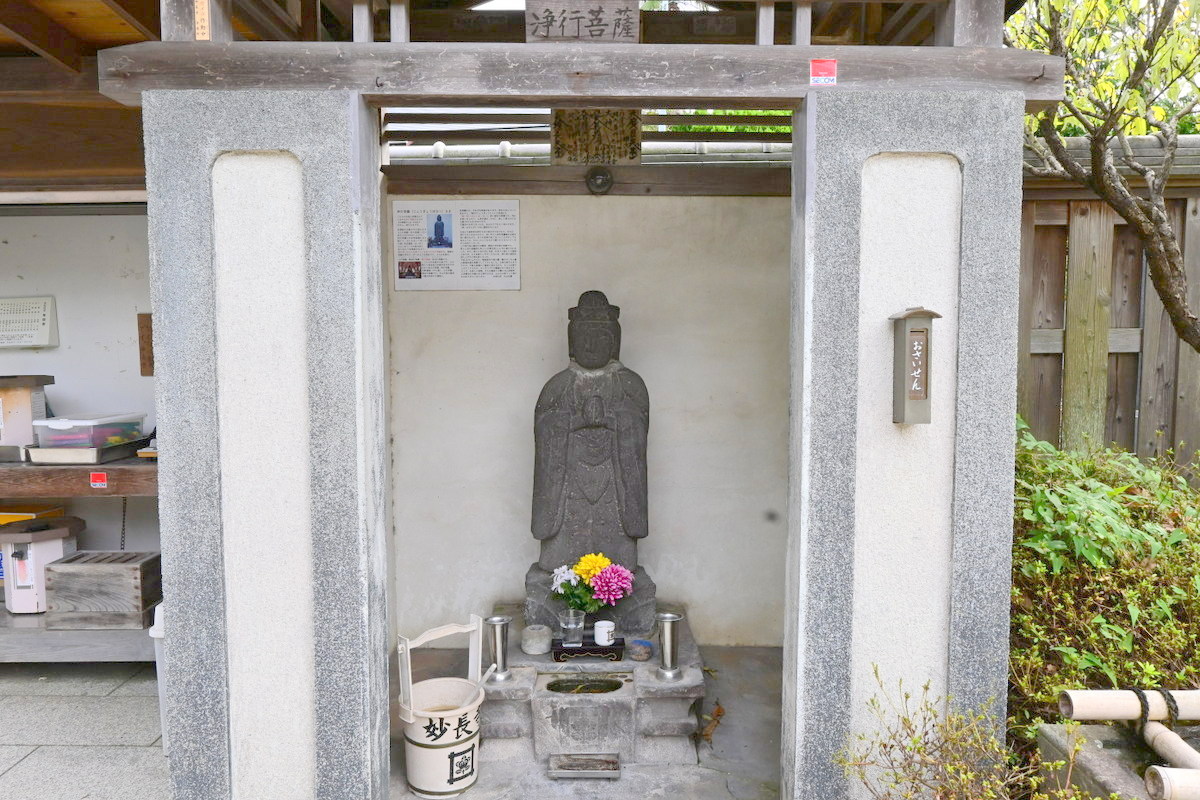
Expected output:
(585, 712)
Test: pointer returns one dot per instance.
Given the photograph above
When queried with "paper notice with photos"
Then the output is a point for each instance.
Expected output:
(461, 244)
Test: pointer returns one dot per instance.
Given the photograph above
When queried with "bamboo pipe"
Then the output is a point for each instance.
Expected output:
(1180, 781)
(1167, 783)
(1122, 704)
(1168, 744)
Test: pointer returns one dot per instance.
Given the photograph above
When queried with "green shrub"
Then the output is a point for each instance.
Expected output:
(1106, 590)
(919, 751)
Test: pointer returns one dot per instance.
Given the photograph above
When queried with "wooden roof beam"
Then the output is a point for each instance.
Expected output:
(568, 75)
(143, 15)
(42, 35)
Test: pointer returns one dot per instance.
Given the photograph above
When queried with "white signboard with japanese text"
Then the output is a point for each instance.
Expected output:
(456, 244)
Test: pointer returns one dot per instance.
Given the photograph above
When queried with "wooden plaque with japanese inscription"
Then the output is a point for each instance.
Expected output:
(596, 136)
(604, 136)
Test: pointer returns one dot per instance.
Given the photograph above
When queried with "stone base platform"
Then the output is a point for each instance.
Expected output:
(644, 719)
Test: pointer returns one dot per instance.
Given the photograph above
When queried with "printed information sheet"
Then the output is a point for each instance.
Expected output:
(457, 244)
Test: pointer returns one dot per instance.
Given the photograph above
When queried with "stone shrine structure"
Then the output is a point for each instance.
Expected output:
(263, 179)
(589, 475)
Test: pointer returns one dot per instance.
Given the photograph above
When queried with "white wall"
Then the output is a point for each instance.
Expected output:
(911, 216)
(96, 268)
(703, 288)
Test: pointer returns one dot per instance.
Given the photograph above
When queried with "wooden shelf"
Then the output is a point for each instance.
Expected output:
(129, 477)
(24, 638)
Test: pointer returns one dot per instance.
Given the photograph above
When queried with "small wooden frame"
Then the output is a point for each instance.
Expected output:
(145, 324)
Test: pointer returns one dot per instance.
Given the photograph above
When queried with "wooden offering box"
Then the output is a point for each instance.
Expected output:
(92, 590)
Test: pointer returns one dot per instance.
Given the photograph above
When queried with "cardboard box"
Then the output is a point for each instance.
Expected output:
(22, 400)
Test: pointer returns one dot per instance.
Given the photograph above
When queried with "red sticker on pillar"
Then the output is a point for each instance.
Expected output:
(822, 72)
(99, 480)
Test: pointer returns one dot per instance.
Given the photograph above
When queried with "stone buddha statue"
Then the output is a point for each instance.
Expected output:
(589, 474)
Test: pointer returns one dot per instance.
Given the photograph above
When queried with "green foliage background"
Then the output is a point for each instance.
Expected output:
(1106, 577)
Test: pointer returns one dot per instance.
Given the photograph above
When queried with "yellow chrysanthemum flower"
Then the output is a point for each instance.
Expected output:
(590, 565)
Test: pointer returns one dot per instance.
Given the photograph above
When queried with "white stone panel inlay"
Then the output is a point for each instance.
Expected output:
(910, 226)
(262, 370)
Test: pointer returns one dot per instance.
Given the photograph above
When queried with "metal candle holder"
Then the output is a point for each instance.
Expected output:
(498, 625)
(668, 637)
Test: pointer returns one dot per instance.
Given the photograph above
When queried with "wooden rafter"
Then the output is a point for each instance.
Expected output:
(895, 21)
(143, 15)
(310, 20)
(907, 32)
(833, 20)
(342, 10)
(970, 23)
(268, 21)
(36, 80)
(33, 29)
(568, 75)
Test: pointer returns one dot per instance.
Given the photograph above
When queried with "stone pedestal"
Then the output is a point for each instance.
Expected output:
(634, 615)
(645, 720)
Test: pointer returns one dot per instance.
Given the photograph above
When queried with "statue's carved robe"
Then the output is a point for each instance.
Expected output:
(589, 472)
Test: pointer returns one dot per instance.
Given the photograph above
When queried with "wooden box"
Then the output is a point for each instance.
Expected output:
(92, 590)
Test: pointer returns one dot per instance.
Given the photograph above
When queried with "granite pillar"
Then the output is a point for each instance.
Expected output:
(266, 287)
(900, 535)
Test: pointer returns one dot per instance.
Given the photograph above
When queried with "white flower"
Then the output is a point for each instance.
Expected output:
(563, 575)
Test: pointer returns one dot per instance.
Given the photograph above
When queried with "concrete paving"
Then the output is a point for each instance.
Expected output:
(91, 732)
(80, 732)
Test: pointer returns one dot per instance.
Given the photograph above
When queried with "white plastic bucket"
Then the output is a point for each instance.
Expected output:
(441, 744)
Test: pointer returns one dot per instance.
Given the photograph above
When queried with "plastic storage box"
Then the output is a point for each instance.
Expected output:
(99, 430)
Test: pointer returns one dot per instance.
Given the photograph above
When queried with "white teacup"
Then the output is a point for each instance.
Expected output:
(604, 632)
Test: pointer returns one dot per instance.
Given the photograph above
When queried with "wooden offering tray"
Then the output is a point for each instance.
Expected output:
(589, 649)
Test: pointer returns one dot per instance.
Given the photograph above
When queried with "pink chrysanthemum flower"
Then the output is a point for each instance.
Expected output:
(612, 583)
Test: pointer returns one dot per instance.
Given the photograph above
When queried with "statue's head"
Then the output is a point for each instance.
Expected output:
(593, 333)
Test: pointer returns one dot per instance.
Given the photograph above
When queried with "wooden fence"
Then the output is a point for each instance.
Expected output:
(1100, 361)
